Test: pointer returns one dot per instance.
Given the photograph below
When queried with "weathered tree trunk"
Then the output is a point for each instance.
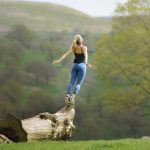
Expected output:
(4, 139)
(45, 126)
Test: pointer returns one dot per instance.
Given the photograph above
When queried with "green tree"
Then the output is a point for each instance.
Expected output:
(10, 51)
(22, 34)
(122, 59)
(39, 70)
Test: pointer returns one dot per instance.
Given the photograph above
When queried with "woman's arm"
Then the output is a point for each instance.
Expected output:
(63, 57)
(86, 56)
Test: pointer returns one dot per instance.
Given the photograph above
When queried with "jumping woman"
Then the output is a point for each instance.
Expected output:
(78, 71)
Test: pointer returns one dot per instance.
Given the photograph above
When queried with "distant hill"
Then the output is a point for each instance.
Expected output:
(106, 18)
(48, 17)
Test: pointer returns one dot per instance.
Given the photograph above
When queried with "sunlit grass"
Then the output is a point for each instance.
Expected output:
(127, 144)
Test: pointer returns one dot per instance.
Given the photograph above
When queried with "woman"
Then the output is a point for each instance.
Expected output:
(79, 67)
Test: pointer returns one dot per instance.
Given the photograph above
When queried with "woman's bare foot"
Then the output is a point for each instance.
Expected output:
(72, 99)
(67, 98)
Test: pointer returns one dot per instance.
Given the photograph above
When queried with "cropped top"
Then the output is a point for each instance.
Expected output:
(79, 58)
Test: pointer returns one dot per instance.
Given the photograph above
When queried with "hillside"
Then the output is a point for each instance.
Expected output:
(48, 17)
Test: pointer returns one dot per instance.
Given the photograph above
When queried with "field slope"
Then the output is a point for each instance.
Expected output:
(48, 17)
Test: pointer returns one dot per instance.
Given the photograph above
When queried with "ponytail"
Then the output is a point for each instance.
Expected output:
(76, 41)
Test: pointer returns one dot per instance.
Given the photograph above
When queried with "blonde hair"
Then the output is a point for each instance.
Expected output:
(77, 41)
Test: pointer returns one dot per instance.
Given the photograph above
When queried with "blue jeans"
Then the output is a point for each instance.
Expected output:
(77, 75)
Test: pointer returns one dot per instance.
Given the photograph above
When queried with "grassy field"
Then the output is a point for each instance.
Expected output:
(48, 17)
(126, 144)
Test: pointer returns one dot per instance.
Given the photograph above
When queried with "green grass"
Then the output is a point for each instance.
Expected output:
(48, 17)
(127, 144)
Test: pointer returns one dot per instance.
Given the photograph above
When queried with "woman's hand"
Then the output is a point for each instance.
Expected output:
(89, 65)
(56, 62)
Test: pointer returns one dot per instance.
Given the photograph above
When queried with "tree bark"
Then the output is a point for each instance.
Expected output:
(4, 139)
(45, 126)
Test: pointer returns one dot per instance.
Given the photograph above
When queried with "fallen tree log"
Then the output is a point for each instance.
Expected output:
(45, 126)
(4, 139)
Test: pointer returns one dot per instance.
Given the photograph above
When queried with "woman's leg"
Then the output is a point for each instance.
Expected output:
(74, 74)
(80, 77)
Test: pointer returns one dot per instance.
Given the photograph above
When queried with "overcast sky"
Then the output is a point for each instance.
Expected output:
(91, 7)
